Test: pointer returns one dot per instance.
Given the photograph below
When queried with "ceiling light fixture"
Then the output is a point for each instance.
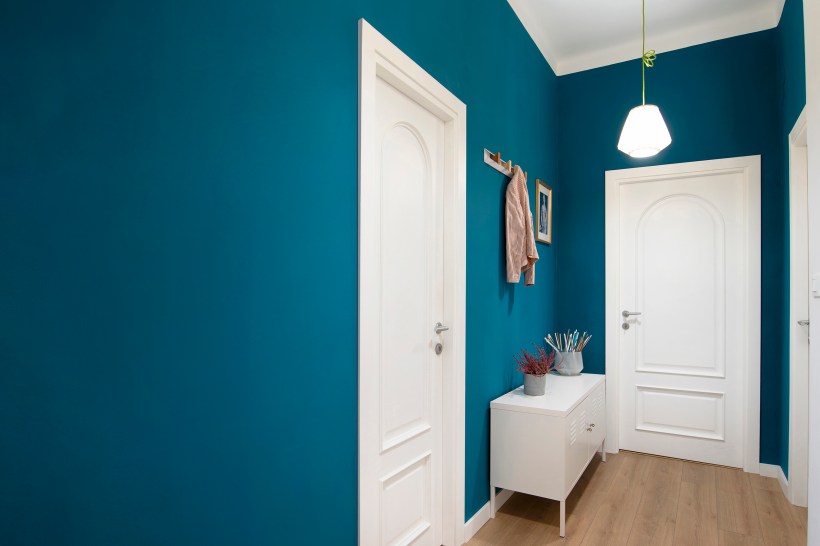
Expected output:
(644, 133)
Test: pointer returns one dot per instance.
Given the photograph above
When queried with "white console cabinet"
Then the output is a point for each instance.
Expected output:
(540, 445)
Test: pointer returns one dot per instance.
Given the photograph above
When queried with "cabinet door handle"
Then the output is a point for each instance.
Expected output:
(592, 425)
(589, 429)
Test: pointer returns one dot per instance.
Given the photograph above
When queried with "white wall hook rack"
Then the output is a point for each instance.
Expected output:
(494, 160)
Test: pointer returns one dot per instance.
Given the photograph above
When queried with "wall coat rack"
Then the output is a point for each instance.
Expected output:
(494, 160)
(543, 195)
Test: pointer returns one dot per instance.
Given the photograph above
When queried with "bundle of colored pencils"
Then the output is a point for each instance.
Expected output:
(569, 342)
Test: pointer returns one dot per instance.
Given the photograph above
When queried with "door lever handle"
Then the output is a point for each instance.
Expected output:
(439, 328)
(627, 314)
(803, 322)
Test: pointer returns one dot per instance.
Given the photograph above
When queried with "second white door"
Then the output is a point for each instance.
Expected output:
(684, 286)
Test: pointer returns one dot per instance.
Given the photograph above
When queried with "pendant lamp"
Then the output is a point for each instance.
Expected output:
(644, 133)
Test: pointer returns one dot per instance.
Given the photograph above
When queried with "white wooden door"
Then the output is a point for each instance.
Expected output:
(409, 153)
(683, 273)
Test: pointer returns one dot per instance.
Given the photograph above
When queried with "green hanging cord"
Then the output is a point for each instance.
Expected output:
(647, 57)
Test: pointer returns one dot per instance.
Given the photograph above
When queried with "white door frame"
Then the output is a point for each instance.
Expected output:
(811, 20)
(378, 58)
(750, 167)
(798, 289)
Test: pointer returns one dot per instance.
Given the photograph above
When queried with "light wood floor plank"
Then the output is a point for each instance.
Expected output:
(587, 496)
(732, 480)
(801, 517)
(613, 521)
(737, 512)
(639, 499)
(512, 524)
(776, 519)
(728, 538)
(699, 474)
(540, 525)
(696, 522)
(507, 527)
(494, 531)
(655, 521)
(769, 484)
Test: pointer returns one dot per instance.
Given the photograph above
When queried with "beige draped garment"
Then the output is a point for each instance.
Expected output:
(521, 252)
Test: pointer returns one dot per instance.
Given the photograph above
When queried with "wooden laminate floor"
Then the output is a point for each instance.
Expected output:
(637, 499)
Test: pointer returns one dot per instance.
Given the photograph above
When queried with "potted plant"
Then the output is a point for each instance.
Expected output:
(535, 368)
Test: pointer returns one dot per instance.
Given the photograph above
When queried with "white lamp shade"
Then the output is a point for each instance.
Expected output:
(644, 133)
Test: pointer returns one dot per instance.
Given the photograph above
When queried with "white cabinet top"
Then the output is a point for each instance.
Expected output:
(562, 394)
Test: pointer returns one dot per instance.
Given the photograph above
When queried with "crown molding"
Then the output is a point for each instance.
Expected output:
(535, 30)
(746, 22)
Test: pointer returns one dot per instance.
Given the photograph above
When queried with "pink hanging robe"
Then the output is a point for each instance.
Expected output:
(521, 252)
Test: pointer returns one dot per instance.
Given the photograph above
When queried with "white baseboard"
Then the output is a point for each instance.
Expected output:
(784, 484)
(769, 470)
(775, 471)
(483, 516)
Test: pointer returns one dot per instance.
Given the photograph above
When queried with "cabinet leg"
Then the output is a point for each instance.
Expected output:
(492, 501)
(603, 451)
(563, 530)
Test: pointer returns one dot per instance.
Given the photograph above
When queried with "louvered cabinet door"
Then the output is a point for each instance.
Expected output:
(577, 442)
(597, 417)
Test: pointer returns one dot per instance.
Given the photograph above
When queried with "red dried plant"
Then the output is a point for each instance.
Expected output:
(541, 363)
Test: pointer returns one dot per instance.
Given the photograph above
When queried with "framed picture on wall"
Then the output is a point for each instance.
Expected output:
(543, 213)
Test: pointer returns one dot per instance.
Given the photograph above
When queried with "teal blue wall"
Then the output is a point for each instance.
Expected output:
(178, 294)
(719, 100)
(791, 98)
(167, 289)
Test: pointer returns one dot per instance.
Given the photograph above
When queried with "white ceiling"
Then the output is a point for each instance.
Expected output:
(576, 35)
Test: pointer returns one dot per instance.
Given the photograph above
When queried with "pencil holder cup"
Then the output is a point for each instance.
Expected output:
(569, 363)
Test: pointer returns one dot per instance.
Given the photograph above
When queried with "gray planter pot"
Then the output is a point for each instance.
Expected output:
(534, 385)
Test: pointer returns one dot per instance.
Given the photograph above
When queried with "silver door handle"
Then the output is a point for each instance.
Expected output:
(803, 322)
(439, 328)
(626, 314)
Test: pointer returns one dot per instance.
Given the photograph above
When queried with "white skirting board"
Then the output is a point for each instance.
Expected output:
(775, 471)
(483, 516)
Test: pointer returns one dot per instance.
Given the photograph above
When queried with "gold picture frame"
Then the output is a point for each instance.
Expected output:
(543, 212)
